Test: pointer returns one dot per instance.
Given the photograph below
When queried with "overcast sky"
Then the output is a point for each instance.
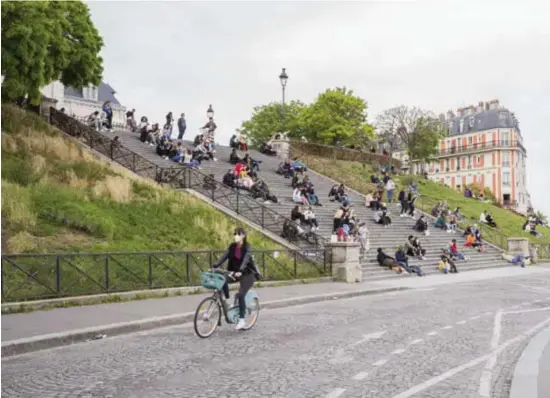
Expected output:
(439, 55)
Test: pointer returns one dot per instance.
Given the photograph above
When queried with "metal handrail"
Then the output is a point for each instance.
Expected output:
(181, 177)
(43, 276)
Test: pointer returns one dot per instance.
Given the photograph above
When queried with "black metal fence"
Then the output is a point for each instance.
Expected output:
(43, 276)
(181, 177)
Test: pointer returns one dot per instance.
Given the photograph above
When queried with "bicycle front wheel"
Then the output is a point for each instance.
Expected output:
(207, 317)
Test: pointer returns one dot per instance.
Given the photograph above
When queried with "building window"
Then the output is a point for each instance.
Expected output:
(470, 141)
(461, 125)
(505, 141)
(471, 122)
(506, 178)
(469, 161)
(505, 158)
(479, 160)
(502, 119)
(446, 164)
(458, 163)
(450, 128)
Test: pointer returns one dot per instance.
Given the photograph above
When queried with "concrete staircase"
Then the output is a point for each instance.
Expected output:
(387, 238)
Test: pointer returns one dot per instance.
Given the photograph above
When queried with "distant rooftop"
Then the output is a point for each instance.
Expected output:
(105, 93)
(484, 116)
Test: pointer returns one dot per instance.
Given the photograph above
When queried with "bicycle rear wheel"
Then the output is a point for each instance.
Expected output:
(253, 311)
(209, 313)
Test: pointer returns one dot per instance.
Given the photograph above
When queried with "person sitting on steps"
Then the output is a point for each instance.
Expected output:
(387, 261)
(234, 157)
(414, 248)
(421, 225)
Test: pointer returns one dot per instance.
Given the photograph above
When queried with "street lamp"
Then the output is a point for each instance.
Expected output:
(283, 77)
(210, 111)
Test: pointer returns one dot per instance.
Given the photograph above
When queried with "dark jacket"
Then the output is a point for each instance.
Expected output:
(400, 256)
(401, 196)
(245, 264)
(381, 256)
(182, 124)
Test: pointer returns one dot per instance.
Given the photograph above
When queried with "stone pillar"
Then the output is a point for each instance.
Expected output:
(282, 147)
(518, 245)
(345, 261)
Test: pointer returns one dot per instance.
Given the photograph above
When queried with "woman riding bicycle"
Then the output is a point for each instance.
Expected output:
(241, 264)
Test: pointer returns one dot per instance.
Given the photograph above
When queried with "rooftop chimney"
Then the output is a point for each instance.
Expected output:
(471, 110)
(450, 115)
(494, 104)
(479, 106)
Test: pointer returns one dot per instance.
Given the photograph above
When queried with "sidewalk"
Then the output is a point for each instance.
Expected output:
(532, 369)
(36, 330)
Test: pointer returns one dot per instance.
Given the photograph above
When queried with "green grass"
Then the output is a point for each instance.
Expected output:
(357, 176)
(57, 197)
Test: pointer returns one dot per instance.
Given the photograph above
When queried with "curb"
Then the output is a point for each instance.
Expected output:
(21, 346)
(526, 372)
(107, 298)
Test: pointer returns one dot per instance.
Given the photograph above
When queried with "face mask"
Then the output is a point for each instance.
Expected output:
(238, 238)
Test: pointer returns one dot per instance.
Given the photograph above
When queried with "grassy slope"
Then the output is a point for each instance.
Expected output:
(58, 197)
(357, 176)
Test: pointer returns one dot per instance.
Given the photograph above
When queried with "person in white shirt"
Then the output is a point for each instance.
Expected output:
(390, 187)
(363, 235)
(297, 197)
(309, 216)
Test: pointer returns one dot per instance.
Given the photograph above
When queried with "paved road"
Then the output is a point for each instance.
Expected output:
(455, 340)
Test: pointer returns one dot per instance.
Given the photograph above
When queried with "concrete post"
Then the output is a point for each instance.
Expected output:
(345, 261)
(281, 145)
(518, 245)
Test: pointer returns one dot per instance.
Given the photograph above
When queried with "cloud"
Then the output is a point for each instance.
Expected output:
(440, 55)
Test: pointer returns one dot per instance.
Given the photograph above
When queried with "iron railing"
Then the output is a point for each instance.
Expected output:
(542, 250)
(469, 148)
(181, 177)
(360, 182)
(44, 276)
(84, 120)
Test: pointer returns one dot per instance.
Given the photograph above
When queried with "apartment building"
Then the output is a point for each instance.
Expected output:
(485, 146)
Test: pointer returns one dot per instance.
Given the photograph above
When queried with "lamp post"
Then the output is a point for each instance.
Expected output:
(210, 112)
(283, 77)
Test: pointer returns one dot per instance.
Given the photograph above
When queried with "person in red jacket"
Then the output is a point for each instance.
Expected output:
(453, 248)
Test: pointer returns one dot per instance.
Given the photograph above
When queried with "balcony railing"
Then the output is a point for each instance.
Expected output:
(459, 149)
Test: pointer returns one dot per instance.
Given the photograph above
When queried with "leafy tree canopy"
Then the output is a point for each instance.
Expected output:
(267, 119)
(413, 129)
(336, 117)
(44, 41)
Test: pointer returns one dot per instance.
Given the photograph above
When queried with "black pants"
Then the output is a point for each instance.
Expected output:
(404, 206)
(245, 283)
(181, 133)
(336, 223)
(110, 121)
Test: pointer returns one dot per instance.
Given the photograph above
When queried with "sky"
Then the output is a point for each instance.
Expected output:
(163, 56)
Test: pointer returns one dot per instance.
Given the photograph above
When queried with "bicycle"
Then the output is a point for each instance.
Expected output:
(216, 304)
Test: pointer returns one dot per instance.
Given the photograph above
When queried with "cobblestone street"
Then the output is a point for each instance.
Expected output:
(459, 340)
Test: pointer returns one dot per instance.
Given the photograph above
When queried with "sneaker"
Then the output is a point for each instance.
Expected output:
(423, 258)
(241, 324)
(402, 215)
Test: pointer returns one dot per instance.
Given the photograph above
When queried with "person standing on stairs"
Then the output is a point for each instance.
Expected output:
(403, 200)
(390, 187)
(182, 126)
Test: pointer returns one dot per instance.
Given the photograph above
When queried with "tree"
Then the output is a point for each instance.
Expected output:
(337, 117)
(47, 41)
(267, 120)
(417, 130)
